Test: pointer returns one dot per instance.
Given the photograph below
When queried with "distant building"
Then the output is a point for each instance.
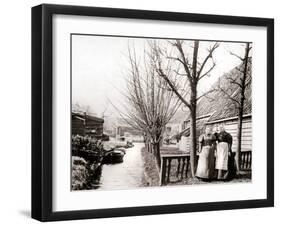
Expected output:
(83, 124)
(171, 129)
(217, 109)
(128, 133)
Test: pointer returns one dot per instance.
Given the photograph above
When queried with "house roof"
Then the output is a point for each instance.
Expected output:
(201, 121)
(218, 104)
(89, 117)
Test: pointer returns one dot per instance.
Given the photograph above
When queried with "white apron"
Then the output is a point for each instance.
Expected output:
(222, 156)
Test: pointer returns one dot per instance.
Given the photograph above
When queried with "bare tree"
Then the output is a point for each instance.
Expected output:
(150, 104)
(240, 82)
(190, 70)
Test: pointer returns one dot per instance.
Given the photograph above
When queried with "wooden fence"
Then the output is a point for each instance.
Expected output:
(181, 163)
(166, 164)
(246, 160)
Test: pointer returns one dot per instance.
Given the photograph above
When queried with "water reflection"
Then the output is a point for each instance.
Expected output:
(128, 174)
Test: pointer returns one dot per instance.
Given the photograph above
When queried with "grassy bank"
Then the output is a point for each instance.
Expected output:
(151, 172)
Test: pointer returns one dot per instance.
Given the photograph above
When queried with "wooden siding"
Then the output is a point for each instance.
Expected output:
(230, 127)
(184, 144)
(94, 129)
(78, 127)
(87, 125)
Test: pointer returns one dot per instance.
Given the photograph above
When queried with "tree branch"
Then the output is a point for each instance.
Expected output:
(183, 60)
(233, 81)
(207, 73)
(239, 57)
(210, 55)
(228, 95)
(206, 93)
(161, 74)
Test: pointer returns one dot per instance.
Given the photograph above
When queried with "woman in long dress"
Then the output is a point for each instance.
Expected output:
(223, 153)
(206, 162)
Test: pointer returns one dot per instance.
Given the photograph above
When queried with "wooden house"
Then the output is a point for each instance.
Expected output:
(218, 109)
(84, 124)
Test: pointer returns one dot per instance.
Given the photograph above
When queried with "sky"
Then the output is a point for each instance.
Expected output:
(99, 65)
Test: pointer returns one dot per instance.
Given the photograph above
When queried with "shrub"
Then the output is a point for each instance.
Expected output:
(79, 173)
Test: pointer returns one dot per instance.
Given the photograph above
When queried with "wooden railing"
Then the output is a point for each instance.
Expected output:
(246, 160)
(182, 164)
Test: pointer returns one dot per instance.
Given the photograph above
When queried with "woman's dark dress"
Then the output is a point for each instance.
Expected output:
(206, 162)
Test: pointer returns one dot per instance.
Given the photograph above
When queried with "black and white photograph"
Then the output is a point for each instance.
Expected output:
(146, 112)
(136, 113)
(149, 112)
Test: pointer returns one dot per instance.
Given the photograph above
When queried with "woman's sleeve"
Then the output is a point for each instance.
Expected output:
(215, 137)
(229, 139)
(201, 138)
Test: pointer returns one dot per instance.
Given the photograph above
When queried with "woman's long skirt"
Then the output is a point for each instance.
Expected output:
(206, 163)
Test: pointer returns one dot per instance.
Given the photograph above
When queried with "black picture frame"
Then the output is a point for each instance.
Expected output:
(42, 111)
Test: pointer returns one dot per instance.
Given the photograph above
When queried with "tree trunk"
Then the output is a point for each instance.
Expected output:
(156, 152)
(193, 143)
(241, 107)
(239, 139)
(193, 104)
(147, 143)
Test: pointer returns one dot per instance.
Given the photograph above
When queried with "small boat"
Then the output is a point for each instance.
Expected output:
(114, 156)
(129, 144)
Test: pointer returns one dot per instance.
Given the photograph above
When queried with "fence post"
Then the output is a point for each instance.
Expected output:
(163, 171)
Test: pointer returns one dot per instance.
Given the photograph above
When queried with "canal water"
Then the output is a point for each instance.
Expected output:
(128, 174)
